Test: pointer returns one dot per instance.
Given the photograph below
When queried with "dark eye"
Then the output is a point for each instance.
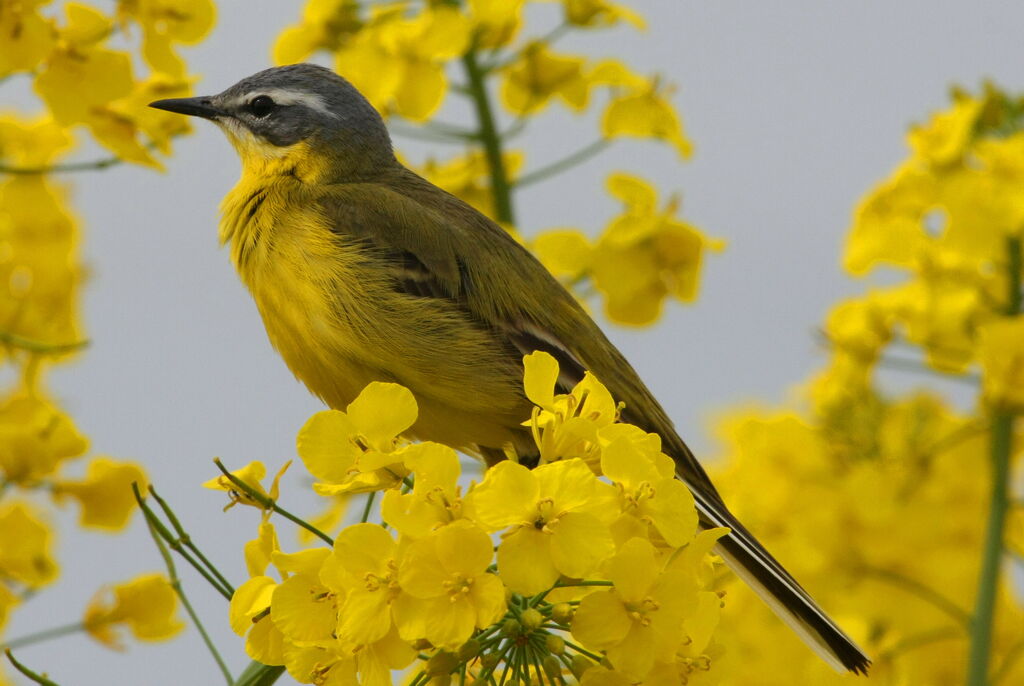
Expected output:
(261, 106)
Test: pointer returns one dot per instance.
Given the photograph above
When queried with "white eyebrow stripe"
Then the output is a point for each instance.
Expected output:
(287, 97)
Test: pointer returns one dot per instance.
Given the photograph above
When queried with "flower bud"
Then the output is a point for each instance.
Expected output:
(511, 628)
(562, 613)
(489, 660)
(531, 619)
(552, 667)
(442, 664)
(580, 664)
(469, 650)
(555, 644)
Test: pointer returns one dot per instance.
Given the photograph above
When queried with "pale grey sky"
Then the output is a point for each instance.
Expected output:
(795, 108)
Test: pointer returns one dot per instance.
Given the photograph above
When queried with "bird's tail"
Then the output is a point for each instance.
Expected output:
(780, 591)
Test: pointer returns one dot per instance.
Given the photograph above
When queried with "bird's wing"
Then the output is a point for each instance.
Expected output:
(438, 246)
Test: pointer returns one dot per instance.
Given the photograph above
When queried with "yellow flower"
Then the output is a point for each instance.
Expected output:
(302, 608)
(890, 223)
(251, 475)
(398, 63)
(80, 75)
(25, 546)
(649, 490)
(8, 601)
(32, 143)
(946, 137)
(497, 22)
(645, 254)
(436, 497)
(640, 620)
(363, 568)
(600, 13)
(105, 495)
(25, 37)
(40, 273)
(566, 253)
(259, 551)
(248, 615)
(165, 22)
(325, 25)
(566, 425)
(554, 520)
(1001, 352)
(447, 591)
(35, 437)
(146, 605)
(538, 75)
(645, 113)
(357, 450)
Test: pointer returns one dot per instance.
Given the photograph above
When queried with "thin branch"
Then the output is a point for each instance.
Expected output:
(924, 592)
(567, 162)
(431, 136)
(172, 574)
(38, 678)
(185, 539)
(921, 640)
(38, 347)
(268, 504)
(175, 545)
(94, 165)
(44, 635)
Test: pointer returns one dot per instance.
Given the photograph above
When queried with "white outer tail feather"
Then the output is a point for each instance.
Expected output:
(802, 629)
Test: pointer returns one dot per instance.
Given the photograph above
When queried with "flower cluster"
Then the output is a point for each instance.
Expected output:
(644, 254)
(403, 57)
(82, 80)
(590, 566)
(870, 463)
(67, 52)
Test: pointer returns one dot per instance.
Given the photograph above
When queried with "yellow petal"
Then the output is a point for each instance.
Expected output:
(601, 620)
(303, 610)
(383, 411)
(524, 561)
(579, 542)
(507, 495)
(540, 373)
(250, 599)
(325, 446)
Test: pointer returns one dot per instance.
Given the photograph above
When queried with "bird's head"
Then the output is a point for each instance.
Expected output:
(301, 117)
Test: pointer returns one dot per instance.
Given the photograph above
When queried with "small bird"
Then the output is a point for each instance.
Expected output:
(364, 271)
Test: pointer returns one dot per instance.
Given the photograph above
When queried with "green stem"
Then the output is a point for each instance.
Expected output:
(38, 678)
(567, 162)
(501, 188)
(185, 539)
(269, 504)
(369, 506)
(259, 674)
(44, 635)
(172, 574)
(175, 545)
(1001, 448)
(32, 346)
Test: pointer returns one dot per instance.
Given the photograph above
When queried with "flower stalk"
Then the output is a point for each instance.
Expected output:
(1001, 449)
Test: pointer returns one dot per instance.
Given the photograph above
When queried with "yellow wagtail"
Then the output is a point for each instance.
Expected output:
(363, 271)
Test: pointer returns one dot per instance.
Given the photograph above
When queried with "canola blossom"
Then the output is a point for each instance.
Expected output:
(93, 70)
(553, 573)
(921, 487)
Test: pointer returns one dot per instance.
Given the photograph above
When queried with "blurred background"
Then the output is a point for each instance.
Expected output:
(795, 111)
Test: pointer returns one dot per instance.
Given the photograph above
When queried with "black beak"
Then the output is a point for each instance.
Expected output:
(197, 107)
